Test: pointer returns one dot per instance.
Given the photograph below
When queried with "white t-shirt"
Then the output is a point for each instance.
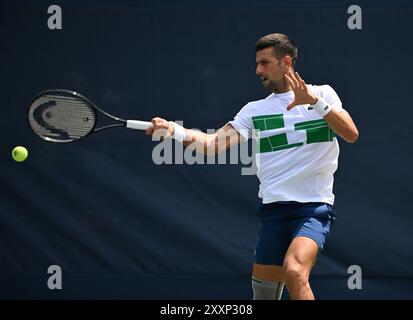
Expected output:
(298, 152)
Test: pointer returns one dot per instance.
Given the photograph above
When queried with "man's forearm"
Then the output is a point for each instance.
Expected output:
(199, 141)
(342, 124)
(211, 144)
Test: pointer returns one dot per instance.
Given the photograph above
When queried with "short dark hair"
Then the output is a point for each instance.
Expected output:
(282, 45)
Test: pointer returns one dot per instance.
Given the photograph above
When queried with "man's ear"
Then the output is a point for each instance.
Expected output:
(287, 62)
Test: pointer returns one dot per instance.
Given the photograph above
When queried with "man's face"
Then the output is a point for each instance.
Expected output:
(270, 70)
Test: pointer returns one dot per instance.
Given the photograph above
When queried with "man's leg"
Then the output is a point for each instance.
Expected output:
(267, 282)
(298, 262)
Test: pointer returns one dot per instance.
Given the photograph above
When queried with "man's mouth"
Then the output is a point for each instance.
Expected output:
(263, 79)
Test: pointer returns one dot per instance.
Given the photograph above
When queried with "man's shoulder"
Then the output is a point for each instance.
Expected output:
(256, 103)
(320, 88)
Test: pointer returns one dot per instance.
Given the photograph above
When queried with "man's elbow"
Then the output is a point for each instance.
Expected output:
(352, 137)
(211, 145)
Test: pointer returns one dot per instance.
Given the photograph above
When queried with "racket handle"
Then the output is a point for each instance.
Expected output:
(138, 125)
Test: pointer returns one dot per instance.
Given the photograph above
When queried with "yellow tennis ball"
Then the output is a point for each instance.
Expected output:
(19, 153)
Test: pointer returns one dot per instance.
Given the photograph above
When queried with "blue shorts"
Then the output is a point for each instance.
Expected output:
(281, 222)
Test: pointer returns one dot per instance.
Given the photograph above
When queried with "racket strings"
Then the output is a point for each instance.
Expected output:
(61, 118)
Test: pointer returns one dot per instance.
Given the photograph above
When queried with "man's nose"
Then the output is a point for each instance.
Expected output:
(258, 70)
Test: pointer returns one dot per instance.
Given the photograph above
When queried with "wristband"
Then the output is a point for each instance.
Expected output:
(322, 107)
(179, 132)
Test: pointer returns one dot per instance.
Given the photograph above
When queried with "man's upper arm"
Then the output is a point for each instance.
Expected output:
(332, 98)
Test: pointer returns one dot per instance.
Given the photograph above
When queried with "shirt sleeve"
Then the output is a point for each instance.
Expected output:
(242, 123)
(332, 98)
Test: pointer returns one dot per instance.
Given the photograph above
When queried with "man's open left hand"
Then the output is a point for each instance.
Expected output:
(301, 93)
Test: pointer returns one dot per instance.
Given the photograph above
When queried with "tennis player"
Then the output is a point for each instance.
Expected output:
(298, 155)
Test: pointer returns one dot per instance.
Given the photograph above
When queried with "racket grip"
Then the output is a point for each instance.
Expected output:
(138, 125)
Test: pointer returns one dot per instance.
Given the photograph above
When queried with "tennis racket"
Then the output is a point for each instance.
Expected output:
(65, 116)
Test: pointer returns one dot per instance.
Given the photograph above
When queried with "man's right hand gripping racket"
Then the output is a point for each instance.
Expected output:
(65, 116)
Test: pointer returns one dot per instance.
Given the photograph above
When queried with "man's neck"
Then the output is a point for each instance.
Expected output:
(285, 87)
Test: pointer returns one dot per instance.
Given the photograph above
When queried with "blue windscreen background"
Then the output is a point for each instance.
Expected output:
(121, 226)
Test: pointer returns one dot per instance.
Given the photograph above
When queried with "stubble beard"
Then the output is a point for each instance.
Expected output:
(271, 86)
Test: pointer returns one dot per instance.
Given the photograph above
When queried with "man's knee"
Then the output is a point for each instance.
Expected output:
(267, 290)
(295, 272)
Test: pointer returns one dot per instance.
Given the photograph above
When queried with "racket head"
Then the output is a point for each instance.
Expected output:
(61, 116)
